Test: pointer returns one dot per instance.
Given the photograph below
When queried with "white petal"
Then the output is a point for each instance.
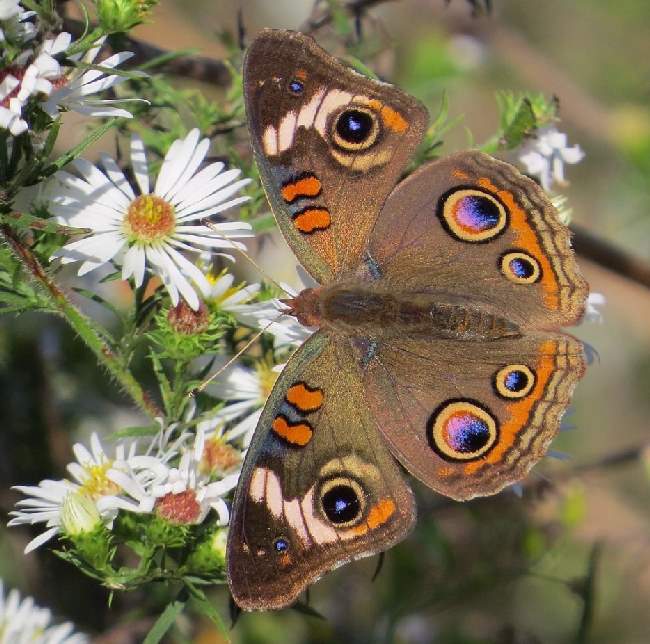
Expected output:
(40, 540)
(139, 164)
(134, 264)
(176, 160)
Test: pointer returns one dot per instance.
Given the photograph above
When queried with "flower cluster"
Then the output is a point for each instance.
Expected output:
(36, 75)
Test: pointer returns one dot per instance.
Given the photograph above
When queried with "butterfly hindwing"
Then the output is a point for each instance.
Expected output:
(468, 418)
(472, 230)
(318, 488)
(330, 145)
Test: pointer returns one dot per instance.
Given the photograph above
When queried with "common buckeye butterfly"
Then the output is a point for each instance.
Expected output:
(439, 308)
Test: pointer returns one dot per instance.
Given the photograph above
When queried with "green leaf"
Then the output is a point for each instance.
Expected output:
(202, 605)
(165, 621)
(522, 124)
(136, 431)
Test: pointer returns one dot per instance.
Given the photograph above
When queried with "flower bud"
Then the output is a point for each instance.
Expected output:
(122, 15)
(186, 321)
(79, 514)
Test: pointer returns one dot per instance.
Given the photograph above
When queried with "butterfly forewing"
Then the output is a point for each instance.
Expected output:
(330, 145)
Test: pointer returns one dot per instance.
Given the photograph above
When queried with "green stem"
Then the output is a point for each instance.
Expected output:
(82, 325)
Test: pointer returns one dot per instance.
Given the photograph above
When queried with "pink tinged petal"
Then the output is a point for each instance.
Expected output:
(199, 186)
(116, 176)
(40, 540)
(159, 257)
(176, 160)
(134, 264)
(189, 269)
(139, 164)
(195, 160)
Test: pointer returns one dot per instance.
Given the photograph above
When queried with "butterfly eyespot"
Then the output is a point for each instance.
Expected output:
(295, 87)
(461, 430)
(520, 268)
(472, 215)
(355, 129)
(514, 381)
(342, 501)
(280, 545)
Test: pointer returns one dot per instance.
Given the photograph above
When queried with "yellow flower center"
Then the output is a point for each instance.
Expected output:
(149, 219)
(98, 484)
(219, 457)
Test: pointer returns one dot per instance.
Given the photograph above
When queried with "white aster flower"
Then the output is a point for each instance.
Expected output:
(544, 156)
(51, 500)
(44, 505)
(89, 471)
(77, 91)
(183, 495)
(45, 69)
(23, 622)
(153, 226)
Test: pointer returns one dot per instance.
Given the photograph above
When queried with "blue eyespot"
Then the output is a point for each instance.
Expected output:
(281, 545)
(341, 504)
(522, 268)
(296, 87)
(515, 380)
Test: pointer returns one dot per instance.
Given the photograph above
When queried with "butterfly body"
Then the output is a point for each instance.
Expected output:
(439, 310)
(357, 310)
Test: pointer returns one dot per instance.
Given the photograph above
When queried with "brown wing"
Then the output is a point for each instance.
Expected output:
(472, 230)
(318, 488)
(465, 417)
(330, 145)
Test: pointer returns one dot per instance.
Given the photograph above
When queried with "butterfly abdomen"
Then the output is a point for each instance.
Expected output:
(353, 310)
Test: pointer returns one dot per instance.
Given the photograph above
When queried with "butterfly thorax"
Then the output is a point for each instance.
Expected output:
(358, 309)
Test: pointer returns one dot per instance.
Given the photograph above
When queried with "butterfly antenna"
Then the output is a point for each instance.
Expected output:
(239, 353)
(242, 252)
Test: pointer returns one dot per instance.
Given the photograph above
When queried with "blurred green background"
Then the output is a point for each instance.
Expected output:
(570, 561)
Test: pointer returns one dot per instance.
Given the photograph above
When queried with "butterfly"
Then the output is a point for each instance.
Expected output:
(438, 309)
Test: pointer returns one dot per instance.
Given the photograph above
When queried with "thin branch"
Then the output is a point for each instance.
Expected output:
(355, 8)
(200, 68)
(609, 256)
(80, 323)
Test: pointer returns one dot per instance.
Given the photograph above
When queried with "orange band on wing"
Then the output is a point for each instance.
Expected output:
(377, 516)
(527, 239)
(305, 186)
(303, 398)
(520, 411)
(312, 219)
(299, 434)
(391, 118)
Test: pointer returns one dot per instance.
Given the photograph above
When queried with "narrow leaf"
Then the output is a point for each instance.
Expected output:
(165, 621)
